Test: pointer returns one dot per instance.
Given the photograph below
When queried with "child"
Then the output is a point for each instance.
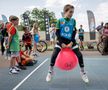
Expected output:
(13, 44)
(26, 60)
(52, 34)
(27, 40)
(65, 31)
(105, 39)
(81, 37)
(35, 37)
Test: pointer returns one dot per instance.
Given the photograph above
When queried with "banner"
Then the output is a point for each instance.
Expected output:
(91, 22)
(62, 14)
(47, 26)
(4, 18)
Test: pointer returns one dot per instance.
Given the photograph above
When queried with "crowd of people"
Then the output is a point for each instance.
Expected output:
(18, 50)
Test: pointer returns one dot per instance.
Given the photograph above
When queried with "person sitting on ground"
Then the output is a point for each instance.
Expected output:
(26, 60)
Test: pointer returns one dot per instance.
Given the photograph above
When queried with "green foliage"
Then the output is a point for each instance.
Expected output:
(37, 15)
(20, 28)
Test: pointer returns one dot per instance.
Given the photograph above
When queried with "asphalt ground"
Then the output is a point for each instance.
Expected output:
(34, 77)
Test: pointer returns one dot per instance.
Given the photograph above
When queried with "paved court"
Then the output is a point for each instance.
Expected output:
(96, 67)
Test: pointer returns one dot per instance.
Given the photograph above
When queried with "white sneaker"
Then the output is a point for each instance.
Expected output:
(49, 77)
(84, 77)
(13, 71)
(17, 69)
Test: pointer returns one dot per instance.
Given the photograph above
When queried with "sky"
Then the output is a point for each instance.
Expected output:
(99, 8)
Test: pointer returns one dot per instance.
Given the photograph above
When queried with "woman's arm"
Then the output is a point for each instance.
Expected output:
(58, 35)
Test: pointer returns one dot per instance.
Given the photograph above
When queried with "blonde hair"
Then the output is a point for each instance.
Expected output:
(35, 28)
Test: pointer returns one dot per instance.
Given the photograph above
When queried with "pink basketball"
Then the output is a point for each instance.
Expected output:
(66, 59)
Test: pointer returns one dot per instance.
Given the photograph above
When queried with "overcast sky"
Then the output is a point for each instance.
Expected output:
(99, 7)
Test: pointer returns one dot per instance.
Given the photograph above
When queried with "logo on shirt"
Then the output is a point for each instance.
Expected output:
(62, 23)
(67, 29)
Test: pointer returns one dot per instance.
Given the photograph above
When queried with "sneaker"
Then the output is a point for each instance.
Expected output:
(34, 61)
(34, 54)
(49, 77)
(22, 67)
(13, 71)
(17, 69)
(84, 77)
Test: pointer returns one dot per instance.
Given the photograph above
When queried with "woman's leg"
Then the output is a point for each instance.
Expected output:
(80, 58)
(81, 64)
(56, 51)
(54, 56)
(2, 46)
(105, 42)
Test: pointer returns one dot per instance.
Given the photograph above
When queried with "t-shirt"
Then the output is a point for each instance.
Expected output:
(1, 35)
(27, 38)
(62, 39)
(11, 28)
(4, 32)
(52, 32)
(81, 32)
(15, 45)
(21, 53)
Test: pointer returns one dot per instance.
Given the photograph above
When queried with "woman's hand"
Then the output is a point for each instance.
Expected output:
(64, 45)
(7, 46)
(70, 45)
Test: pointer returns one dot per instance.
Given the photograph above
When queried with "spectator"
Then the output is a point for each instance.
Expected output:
(4, 38)
(100, 27)
(36, 37)
(81, 37)
(105, 39)
(13, 45)
(27, 40)
(52, 34)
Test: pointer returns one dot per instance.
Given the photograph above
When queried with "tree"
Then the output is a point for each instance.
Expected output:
(37, 15)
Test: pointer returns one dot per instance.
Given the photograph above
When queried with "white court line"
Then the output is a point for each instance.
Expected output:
(16, 87)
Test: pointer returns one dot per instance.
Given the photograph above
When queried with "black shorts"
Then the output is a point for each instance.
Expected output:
(81, 38)
(28, 47)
